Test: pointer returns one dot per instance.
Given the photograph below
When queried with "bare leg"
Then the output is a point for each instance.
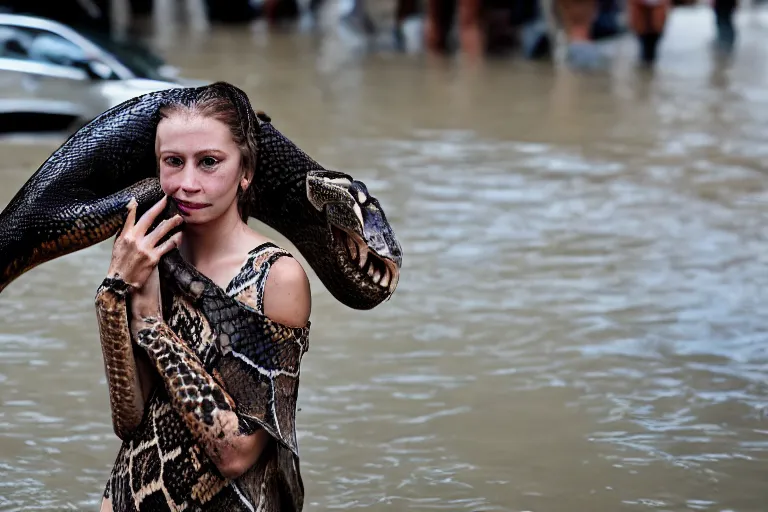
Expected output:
(437, 24)
(647, 22)
(576, 17)
(469, 27)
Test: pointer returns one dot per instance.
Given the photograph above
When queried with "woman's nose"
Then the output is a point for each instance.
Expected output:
(189, 181)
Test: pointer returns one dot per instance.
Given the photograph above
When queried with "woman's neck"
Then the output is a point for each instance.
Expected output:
(203, 243)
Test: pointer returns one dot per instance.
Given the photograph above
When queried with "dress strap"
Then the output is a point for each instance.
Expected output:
(248, 285)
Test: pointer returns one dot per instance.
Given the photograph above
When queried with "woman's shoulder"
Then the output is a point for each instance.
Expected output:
(286, 296)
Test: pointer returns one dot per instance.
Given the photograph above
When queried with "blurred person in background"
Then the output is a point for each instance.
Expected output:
(576, 18)
(726, 32)
(647, 19)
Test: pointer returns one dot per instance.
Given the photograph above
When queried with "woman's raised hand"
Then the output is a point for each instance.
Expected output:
(136, 253)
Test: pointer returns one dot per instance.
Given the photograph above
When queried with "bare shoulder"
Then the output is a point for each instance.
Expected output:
(287, 296)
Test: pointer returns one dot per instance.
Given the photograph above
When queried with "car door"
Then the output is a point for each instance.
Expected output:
(44, 72)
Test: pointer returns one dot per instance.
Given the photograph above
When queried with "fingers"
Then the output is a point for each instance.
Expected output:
(169, 244)
(163, 229)
(149, 216)
(130, 221)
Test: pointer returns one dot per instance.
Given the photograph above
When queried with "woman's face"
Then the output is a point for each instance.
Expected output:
(199, 166)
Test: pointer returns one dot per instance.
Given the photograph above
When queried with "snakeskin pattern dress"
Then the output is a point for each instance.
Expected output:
(161, 467)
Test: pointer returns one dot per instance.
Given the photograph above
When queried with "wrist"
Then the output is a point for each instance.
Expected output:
(116, 284)
(118, 275)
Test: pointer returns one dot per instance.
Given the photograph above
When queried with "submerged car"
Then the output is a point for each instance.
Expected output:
(56, 78)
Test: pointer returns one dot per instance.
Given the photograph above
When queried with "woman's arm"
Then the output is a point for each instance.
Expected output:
(128, 377)
(128, 371)
(206, 407)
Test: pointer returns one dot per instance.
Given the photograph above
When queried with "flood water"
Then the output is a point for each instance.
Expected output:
(582, 317)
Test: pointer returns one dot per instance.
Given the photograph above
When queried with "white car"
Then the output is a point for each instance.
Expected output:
(56, 78)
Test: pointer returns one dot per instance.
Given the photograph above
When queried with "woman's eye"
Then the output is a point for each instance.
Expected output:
(209, 161)
(173, 161)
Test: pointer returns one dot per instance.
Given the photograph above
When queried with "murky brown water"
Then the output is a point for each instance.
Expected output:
(582, 318)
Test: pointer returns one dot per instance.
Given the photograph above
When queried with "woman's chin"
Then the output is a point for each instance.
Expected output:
(195, 219)
(203, 216)
(196, 223)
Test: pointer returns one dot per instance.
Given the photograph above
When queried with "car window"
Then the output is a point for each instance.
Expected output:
(25, 43)
(39, 45)
(54, 49)
(14, 43)
(138, 59)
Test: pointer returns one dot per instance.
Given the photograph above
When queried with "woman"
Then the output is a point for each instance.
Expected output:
(647, 19)
(181, 450)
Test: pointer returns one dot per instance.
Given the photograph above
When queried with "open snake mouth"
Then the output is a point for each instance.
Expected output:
(371, 267)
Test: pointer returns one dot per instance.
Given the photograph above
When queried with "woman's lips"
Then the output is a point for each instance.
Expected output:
(187, 207)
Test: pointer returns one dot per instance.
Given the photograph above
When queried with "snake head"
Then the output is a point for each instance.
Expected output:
(364, 246)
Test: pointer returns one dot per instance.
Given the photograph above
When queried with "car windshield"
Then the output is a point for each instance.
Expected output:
(137, 58)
